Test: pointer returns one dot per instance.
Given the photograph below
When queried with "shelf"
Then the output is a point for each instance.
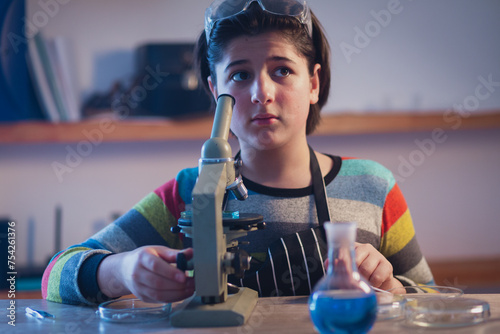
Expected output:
(357, 123)
(107, 130)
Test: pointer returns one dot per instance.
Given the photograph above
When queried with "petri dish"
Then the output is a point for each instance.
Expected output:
(390, 306)
(427, 291)
(446, 312)
(133, 310)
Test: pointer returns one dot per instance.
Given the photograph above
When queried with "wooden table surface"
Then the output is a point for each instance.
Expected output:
(271, 315)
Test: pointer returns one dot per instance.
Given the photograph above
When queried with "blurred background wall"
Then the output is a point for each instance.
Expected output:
(386, 54)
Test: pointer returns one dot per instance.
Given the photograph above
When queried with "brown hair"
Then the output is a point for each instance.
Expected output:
(254, 21)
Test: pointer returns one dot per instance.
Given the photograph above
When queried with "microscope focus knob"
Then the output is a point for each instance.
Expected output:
(175, 229)
(182, 263)
(236, 263)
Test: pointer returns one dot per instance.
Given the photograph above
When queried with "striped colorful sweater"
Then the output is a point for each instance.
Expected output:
(358, 190)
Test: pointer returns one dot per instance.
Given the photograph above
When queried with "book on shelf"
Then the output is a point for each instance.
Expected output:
(41, 82)
(61, 56)
(17, 98)
(53, 78)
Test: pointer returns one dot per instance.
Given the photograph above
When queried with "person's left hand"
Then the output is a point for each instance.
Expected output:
(374, 267)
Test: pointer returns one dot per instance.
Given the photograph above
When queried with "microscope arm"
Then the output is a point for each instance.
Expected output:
(209, 240)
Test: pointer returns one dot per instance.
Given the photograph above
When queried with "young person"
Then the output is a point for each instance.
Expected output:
(273, 58)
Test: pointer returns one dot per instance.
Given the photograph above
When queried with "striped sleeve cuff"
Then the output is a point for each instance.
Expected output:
(87, 279)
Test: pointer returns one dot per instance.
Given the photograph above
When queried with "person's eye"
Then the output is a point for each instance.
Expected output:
(282, 72)
(240, 76)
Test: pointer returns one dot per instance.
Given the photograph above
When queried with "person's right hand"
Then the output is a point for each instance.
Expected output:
(146, 272)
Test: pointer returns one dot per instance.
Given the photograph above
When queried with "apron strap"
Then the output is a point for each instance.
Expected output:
(319, 190)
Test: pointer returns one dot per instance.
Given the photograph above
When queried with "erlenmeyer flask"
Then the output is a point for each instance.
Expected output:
(342, 301)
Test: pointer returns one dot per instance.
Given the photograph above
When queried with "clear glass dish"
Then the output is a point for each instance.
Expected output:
(440, 312)
(133, 310)
(389, 306)
(426, 291)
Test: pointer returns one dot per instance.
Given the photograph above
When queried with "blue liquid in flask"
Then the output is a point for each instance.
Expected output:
(343, 311)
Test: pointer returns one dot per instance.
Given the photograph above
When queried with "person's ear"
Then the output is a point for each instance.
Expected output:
(213, 87)
(315, 84)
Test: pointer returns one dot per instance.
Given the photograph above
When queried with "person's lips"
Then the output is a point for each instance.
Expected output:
(264, 119)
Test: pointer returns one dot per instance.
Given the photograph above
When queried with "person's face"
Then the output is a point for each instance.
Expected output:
(273, 89)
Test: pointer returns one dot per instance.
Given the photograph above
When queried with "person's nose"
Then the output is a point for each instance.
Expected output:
(263, 90)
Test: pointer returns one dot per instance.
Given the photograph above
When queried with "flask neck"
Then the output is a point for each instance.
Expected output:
(342, 271)
(342, 258)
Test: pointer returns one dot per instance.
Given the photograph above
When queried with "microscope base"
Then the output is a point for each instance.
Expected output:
(235, 311)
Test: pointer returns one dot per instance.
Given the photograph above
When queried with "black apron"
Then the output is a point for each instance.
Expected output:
(295, 262)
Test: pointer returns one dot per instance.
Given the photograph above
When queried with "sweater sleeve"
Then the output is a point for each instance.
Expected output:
(399, 243)
(71, 275)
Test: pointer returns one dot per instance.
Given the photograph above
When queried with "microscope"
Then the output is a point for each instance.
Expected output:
(214, 233)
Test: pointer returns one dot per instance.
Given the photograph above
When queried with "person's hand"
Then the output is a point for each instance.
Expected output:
(374, 267)
(146, 272)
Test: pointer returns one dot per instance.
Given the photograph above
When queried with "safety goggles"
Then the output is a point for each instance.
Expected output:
(222, 9)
